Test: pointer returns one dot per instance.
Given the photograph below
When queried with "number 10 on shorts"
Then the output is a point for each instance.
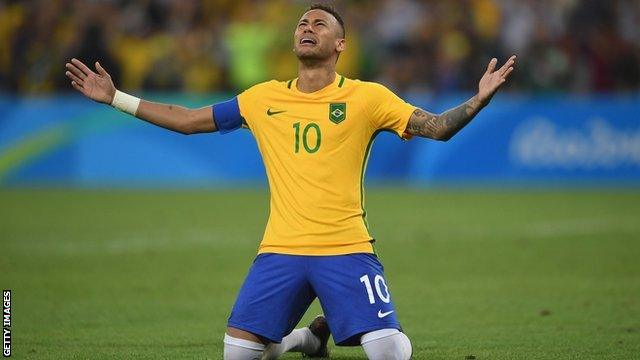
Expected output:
(379, 283)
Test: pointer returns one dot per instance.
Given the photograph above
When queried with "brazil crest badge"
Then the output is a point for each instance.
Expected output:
(337, 112)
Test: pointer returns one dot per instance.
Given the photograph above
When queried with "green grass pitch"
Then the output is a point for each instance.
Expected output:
(540, 274)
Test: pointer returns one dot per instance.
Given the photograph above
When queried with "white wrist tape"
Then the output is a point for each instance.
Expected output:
(125, 102)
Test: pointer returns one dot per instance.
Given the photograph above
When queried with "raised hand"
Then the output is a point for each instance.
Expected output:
(444, 126)
(96, 86)
(493, 79)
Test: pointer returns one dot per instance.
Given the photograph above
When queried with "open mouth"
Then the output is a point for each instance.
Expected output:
(308, 41)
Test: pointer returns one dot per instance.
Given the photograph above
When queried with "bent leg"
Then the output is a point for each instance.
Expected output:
(299, 340)
(354, 296)
(272, 300)
(386, 344)
(241, 348)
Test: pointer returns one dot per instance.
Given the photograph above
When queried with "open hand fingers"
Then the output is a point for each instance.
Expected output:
(73, 77)
(76, 71)
(491, 66)
(80, 65)
(101, 70)
(76, 86)
(506, 73)
(507, 65)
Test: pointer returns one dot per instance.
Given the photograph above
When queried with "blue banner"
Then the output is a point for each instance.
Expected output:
(70, 141)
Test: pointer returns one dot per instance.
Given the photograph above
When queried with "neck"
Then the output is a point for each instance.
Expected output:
(313, 77)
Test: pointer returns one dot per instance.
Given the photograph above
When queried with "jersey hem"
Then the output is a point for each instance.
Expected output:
(363, 247)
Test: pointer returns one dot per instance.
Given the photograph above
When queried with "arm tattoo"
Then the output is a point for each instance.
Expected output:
(445, 125)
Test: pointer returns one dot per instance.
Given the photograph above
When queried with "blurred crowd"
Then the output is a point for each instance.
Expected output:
(433, 46)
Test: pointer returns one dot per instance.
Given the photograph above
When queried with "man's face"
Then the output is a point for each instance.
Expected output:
(318, 36)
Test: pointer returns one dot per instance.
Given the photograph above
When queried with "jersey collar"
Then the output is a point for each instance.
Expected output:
(338, 82)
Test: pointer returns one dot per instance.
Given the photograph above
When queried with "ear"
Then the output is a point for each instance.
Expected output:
(341, 45)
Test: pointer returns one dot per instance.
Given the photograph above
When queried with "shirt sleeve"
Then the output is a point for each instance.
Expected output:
(226, 116)
(388, 111)
(247, 105)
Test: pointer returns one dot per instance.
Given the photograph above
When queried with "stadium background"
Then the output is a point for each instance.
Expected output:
(519, 238)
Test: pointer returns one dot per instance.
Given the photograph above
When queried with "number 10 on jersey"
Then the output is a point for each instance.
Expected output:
(305, 140)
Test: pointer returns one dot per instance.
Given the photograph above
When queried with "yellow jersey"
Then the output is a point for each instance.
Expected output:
(315, 148)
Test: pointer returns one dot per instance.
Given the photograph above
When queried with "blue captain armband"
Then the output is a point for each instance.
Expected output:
(227, 116)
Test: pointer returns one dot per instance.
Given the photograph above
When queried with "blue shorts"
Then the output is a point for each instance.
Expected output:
(279, 289)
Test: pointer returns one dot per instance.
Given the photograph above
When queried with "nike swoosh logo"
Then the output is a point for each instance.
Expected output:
(271, 113)
(384, 314)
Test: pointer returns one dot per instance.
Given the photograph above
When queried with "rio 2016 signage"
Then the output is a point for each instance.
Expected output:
(541, 143)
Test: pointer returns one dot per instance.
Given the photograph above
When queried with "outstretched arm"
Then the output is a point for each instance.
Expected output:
(444, 126)
(99, 87)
